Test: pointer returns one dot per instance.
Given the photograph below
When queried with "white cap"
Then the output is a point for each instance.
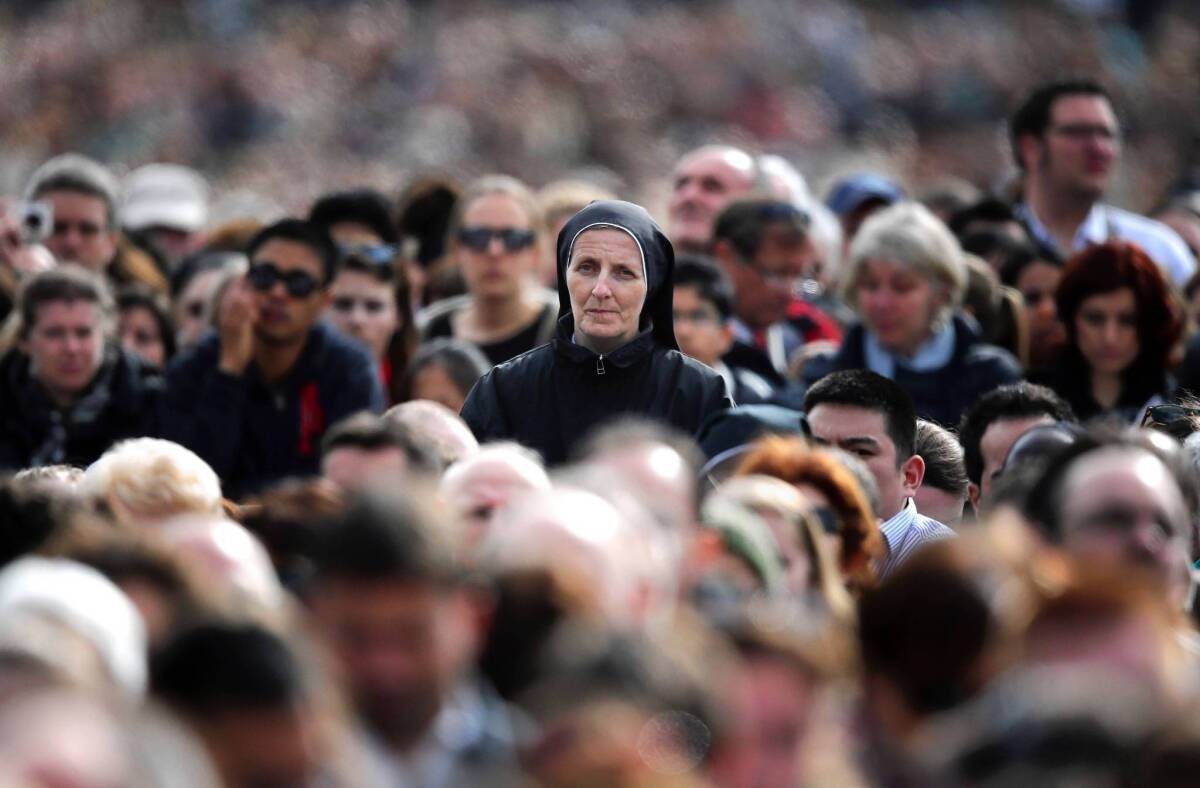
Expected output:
(165, 195)
(84, 601)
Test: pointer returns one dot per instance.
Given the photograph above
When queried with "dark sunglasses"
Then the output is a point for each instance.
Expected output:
(830, 523)
(480, 238)
(1167, 415)
(299, 284)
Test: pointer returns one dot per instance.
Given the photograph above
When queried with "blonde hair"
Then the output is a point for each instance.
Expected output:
(147, 480)
(909, 234)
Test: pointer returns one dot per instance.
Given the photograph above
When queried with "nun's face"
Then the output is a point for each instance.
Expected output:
(608, 288)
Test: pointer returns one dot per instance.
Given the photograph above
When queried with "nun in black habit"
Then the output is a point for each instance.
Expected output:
(614, 351)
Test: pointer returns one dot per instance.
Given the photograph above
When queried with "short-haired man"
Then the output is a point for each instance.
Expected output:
(1066, 141)
(703, 312)
(366, 450)
(390, 603)
(68, 391)
(762, 245)
(873, 418)
(254, 399)
(705, 180)
(991, 426)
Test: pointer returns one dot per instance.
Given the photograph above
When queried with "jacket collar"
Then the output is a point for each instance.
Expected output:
(627, 355)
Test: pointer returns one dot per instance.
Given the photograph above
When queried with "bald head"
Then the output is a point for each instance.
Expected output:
(474, 488)
(705, 181)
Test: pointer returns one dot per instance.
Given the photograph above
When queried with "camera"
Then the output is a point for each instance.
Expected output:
(36, 220)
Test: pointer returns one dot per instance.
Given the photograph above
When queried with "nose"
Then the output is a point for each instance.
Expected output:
(1112, 332)
(602, 290)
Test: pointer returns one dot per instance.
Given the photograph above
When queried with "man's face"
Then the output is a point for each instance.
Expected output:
(355, 469)
(706, 181)
(65, 346)
(764, 286)
(1078, 151)
(997, 439)
(1121, 506)
(282, 317)
(399, 646)
(699, 328)
(81, 232)
(493, 268)
(863, 433)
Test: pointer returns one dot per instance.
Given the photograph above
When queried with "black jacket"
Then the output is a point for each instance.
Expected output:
(121, 402)
(253, 434)
(555, 394)
(941, 395)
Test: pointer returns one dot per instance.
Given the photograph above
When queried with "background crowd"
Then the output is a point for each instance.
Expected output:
(359, 427)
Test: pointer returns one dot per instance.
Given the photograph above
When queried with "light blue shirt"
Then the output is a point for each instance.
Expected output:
(933, 354)
(1162, 243)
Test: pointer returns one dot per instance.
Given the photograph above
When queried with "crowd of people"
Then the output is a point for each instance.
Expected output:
(501, 485)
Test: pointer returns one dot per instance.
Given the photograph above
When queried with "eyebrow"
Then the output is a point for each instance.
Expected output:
(862, 441)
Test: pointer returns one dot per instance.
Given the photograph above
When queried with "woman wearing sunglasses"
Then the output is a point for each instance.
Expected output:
(1122, 324)
(495, 237)
(613, 351)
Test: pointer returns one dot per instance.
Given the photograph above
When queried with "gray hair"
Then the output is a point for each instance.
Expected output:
(77, 173)
(909, 234)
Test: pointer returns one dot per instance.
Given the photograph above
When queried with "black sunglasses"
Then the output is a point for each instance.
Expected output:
(1167, 415)
(480, 238)
(299, 284)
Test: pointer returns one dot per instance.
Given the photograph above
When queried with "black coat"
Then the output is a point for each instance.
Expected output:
(121, 402)
(941, 395)
(554, 395)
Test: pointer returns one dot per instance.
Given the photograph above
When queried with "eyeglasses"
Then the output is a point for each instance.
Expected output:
(480, 238)
(1168, 415)
(299, 284)
(1079, 132)
(697, 316)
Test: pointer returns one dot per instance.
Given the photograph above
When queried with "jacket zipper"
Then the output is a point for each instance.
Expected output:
(600, 364)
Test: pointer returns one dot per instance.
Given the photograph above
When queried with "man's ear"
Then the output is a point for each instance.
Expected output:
(912, 473)
(973, 495)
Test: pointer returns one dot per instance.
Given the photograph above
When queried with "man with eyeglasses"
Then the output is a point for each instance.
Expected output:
(1066, 141)
(762, 244)
(255, 398)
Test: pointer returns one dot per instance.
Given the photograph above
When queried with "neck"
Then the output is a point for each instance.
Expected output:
(1106, 389)
(274, 361)
(600, 345)
(1060, 212)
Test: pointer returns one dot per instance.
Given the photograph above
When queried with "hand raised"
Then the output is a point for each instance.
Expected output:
(236, 318)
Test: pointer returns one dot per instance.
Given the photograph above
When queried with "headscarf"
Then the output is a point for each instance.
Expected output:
(658, 261)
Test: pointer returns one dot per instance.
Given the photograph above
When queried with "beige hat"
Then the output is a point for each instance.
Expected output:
(165, 195)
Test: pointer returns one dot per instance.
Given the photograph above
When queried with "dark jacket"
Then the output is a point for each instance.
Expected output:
(252, 433)
(121, 402)
(941, 395)
(1142, 384)
(554, 395)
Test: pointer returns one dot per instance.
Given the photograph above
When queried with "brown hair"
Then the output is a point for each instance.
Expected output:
(793, 461)
(63, 283)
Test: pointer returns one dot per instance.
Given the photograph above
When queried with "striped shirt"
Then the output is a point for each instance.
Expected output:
(905, 533)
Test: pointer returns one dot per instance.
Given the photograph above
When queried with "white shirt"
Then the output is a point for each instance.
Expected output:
(1162, 243)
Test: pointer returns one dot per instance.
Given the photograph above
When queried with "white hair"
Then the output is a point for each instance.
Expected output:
(146, 480)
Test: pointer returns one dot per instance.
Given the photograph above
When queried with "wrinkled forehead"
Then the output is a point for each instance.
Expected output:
(599, 226)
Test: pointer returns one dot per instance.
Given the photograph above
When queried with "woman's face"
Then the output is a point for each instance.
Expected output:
(897, 304)
(496, 248)
(607, 287)
(364, 307)
(1037, 283)
(433, 383)
(191, 308)
(1106, 331)
(140, 335)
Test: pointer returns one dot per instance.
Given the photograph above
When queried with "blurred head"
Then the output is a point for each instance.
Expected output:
(477, 486)
(856, 197)
(872, 418)
(231, 558)
(438, 427)
(1066, 139)
(292, 265)
(83, 195)
(990, 427)
(242, 689)
(144, 325)
(444, 370)
(705, 180)
(1036, 277)
(388, 603)
(366, 450)
(194, 285)
(702, 307)
(1118, 311)
(943, 491)
(66, 313)
(905, 276)
(763, 246)
(145, 481)
(167, 205)
(496, 235)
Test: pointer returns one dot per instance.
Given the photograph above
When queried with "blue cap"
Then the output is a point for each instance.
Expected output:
(851, 192)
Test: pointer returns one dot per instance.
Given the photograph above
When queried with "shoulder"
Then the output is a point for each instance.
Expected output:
(203, 354)
(930, 530)
(1158, 238)
(439, 312)
(333, 346)
(981, 357)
